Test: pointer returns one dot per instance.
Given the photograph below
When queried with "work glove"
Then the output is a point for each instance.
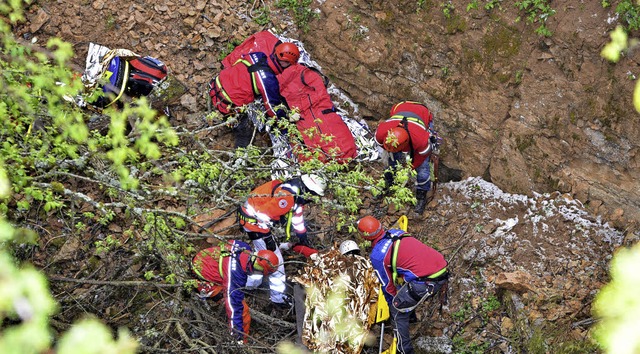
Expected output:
(204, 290)
(294, 117)
(285, 246)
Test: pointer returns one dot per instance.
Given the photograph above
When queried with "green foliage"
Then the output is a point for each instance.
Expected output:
(613, 50)
(262, 17)
(491, 4)
(91, 336)
(447, 9)
(300, 10)
(618, 44)
(108, 244)
(629, 11)
(229, 48)
(466, 313)
(537, 11)
(473, 5)
(618, 306)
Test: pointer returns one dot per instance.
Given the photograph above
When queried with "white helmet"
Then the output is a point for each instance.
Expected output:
(314, 183)
(349, 246)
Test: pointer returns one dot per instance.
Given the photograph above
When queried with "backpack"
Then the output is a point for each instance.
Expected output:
(134, 77)
(263, 41)
(145, 74)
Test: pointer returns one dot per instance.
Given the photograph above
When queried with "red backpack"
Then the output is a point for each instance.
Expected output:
(263, 41)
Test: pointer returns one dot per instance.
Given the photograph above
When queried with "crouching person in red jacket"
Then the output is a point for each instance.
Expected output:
(223, 272)
(409, 272)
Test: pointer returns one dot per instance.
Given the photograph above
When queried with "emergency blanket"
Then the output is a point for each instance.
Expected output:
(340, 305)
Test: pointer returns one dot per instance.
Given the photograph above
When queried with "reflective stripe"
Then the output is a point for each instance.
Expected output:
(125, 78)
(253, 79)
(394, 259)
(289, 217)
(409, 116)
(437, 274)
(221, 90)
(242, 215)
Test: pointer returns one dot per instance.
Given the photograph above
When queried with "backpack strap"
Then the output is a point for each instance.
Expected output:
(405, 125)
(325, 79)
(396, 235)
(394, 259)
(122, 87)
(252, 68)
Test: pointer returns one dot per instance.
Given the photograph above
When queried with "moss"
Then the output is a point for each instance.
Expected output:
(523, 142)
(573, 118)
(503, 42)
(470, 56)
(455, 24)
(503, 77)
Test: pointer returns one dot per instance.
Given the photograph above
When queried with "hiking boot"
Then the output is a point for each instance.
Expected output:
(421, 196)
(243, 132)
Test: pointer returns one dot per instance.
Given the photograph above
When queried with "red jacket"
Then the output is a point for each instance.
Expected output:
(322, 128)
(270, 202)
(418, 120)
(250, 77)
(232, 275)
(415, 260)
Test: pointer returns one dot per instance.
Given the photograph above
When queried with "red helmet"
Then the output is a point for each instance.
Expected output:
(288, 52)
(266, 261)
(397, 139)
(370, 228)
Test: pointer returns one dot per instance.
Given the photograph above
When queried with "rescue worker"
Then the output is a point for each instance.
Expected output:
(398, 258)
(278, 202)
(250, 77)
(409, 130)
(224, 270)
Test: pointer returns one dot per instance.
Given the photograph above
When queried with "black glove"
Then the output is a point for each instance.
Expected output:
(303, 239)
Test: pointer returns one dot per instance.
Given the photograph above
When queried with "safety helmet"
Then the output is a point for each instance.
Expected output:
(397, 139)
(314, 183)
(370, 228)
(348, 247)
(288, 52)
(266, 261)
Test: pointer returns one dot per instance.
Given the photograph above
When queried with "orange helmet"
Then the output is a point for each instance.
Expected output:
(397, 139)
(370, 228)
(288, 52)
(266, 261)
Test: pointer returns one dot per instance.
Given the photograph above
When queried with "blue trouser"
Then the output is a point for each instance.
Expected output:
(401, 330)
(423, 180)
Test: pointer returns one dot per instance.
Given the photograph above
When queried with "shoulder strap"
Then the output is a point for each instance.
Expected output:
(396, 236)
(394, 259)
(325, 79)
(405, 125)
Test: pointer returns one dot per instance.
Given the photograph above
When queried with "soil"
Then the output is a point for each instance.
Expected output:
(544, 118)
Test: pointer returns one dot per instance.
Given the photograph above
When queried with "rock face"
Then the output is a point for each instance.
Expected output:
(527, 112)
